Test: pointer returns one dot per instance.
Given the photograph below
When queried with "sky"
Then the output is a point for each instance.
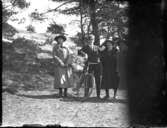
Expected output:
(71, 27)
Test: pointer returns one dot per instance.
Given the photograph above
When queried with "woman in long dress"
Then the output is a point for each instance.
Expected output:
(110, 79)
(63, 72)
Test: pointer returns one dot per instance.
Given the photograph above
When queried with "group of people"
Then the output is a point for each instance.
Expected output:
(102, 62)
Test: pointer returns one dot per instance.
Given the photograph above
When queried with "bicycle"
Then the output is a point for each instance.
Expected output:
(87, 81)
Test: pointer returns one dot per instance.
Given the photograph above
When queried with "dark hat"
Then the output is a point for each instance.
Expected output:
(60, 36)
(105, 43)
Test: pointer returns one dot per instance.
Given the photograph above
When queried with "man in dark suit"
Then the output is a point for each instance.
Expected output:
(95, 67)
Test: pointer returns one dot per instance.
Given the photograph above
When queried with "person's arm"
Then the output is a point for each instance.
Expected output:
(83, 52)
(102, 48)
(56, 58)
(118, 48)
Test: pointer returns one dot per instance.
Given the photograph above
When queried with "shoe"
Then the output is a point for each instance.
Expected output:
(60, 96)
(60, 93)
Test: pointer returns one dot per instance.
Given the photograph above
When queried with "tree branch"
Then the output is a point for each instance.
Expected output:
(51, 10)
(5, 7)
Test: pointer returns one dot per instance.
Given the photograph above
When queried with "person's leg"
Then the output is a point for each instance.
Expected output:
(115, 92)
(117, 84)
(97, 79)
(107, 93)
(86, 91)
(82, 77)
(97, 86)
(60, 92)
(65, 92)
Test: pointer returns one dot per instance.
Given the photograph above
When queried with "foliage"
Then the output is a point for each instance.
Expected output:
(37, 16)
(111, 18)
(26, 45)
(22, 56)
(8, 30)
(8, 11)
(78, 39)
(8, 8)
(30, 28)
(54, 28)
(115, 22)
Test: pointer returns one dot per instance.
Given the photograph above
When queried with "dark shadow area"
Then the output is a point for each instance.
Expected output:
(94, 100)
(10, 91)
(145, 64)
(72, 98)
(39, 96)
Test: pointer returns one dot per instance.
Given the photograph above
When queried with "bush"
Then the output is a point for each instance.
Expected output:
(30, 28)
(22, 56)
(8, 31)
(54, 28)
(26, 45)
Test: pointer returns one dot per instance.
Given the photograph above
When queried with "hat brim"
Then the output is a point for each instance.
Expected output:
(61, 36)
(108, 41)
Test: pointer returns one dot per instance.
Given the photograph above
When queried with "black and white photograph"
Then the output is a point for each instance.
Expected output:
(83, 63)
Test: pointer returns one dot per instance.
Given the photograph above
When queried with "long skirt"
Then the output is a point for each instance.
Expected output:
(110, 80)
(63, 77)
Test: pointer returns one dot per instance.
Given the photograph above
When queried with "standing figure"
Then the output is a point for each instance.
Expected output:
(110, 79)
(95, 67)
(63, 72)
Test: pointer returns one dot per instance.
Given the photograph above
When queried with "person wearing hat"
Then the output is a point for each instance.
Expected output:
(62, 70)
(110, 77)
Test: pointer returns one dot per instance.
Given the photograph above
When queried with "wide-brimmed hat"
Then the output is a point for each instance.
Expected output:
(60, 36)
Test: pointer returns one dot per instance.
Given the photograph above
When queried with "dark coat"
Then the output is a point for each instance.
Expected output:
(110, 77)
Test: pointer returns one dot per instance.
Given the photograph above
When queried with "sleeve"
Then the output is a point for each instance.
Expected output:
(83, 49)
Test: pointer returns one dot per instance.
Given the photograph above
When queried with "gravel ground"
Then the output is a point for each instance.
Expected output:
(44, 108)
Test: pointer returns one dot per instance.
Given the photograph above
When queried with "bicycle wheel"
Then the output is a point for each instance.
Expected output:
(88, 85)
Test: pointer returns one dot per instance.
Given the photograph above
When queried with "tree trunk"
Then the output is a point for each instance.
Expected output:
(81, 21)
(92, 11)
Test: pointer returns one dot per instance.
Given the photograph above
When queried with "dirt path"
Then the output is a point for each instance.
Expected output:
(42, 107)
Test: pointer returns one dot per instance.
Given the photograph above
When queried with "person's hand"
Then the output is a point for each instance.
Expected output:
(102, 48)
